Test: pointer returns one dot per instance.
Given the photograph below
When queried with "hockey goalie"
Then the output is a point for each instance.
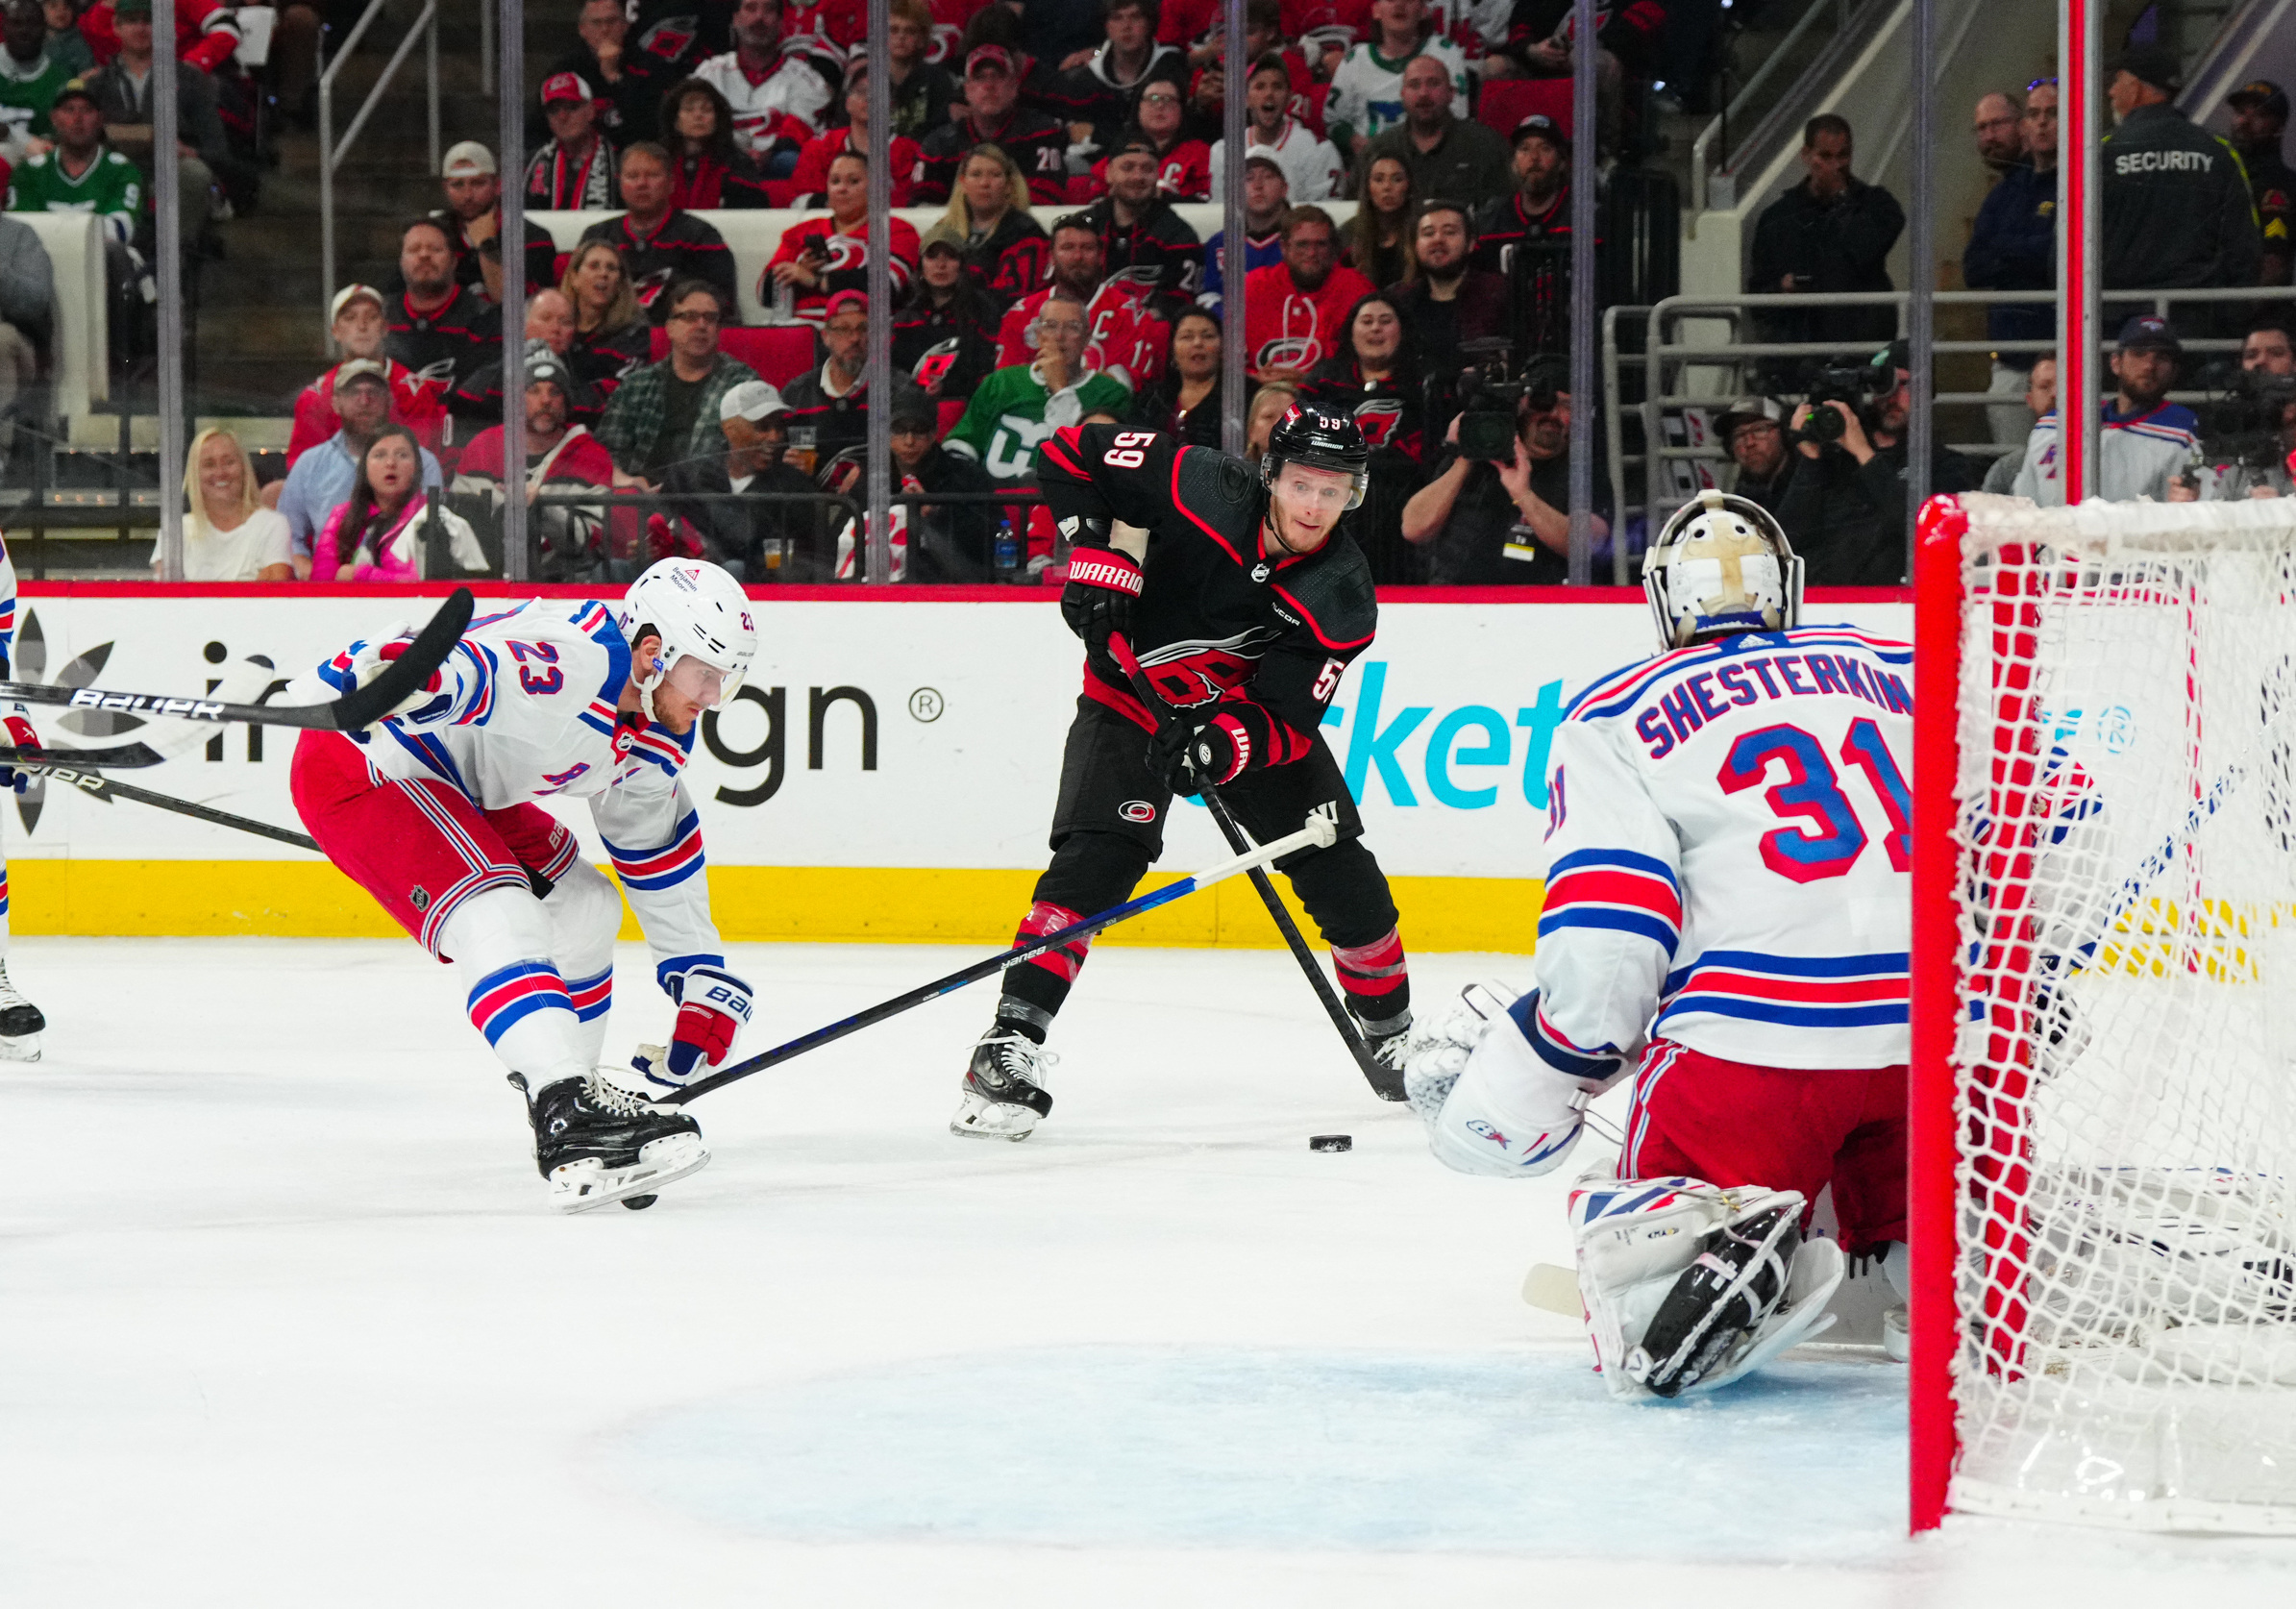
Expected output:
(1726, 918)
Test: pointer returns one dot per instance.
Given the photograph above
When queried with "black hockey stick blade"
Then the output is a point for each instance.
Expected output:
(128, 756)
(105, 788)
(361, 708)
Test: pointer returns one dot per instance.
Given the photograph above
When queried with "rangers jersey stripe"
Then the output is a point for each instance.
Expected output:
(517, 991)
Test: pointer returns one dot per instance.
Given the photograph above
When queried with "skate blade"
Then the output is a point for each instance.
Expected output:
(23, 1048)
(588, 1184)
(982, 1119)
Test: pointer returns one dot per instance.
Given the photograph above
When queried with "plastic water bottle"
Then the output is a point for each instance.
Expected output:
(1008, 549)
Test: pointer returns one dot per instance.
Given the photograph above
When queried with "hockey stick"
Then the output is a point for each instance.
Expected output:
(359, 708)
(1322, 832)
(128, 756)
(105, 788)
(1386, 1082)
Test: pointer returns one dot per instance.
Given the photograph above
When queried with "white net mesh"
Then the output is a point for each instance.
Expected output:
(2125, 1072)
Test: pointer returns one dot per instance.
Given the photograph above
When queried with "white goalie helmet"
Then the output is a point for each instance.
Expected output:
(1721, 564)
(702, 615)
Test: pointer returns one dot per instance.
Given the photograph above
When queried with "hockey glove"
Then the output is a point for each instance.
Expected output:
(1104, 585)
(20, 735)
(712, 1006)
(374, 656)
(1184, 759)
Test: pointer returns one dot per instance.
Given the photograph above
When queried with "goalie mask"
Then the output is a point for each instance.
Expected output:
(707, 635)
(1721, 565)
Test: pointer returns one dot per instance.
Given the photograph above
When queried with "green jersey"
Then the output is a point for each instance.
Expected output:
(1014, 411)
(112, 189)
(26, 93)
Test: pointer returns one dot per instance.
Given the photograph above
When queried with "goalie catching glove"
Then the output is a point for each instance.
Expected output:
(712, 1008)
(1490, 1105)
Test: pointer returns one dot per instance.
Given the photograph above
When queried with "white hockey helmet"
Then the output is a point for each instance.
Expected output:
(700, 613)
(1721, 564)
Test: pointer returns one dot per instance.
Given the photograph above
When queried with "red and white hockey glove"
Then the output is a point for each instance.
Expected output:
(1102, 586)
(20, 735)
(712, 1006)
(374, 656)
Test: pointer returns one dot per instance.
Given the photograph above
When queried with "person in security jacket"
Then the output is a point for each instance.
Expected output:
(2177, 206)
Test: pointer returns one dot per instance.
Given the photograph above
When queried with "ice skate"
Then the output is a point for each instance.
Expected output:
(1390, 1052)
(1004, 1088)
(20, 1023)
(596, 1143)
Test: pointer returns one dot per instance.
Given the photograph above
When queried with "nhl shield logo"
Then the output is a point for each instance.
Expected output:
(420, 897)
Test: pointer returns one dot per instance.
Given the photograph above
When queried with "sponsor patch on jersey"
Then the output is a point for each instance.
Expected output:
(1131, 809)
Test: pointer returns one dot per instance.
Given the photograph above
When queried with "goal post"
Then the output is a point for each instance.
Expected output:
(2102, 1156)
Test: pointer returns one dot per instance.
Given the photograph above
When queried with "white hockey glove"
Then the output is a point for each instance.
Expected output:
(1490, 1105)
(374, 656)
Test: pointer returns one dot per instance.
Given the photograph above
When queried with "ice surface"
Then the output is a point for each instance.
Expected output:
(284, 1320)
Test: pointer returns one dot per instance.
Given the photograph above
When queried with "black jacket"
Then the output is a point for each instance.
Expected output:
(2177, 207)
(1837, 245)
(1157, 408)
(1160, 253)
(1031, 138)
(2014, 247)
(952, 543)
(1847, 520)
(969, 319)
(683, 247)
(735, 534)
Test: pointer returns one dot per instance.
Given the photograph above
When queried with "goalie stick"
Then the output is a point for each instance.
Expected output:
(1386, 1082)
(359, 708)
(1321, 831)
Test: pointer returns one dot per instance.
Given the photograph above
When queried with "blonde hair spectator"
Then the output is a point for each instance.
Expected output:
(228, 535)
(1016, 189)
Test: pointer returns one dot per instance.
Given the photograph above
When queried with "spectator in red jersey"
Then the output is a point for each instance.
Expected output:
(357, 321)
(945, 332)
(574, 170)
(440, 329)
(1374, 379)
(477, 401)
(707, 168)
(205, 33)
(779, 89)
(822, 256)
(829, 30)
(1312, 168)
(472, 219)
(1379, 236)
(1122, 336)
(811, 180)
(1184, 402)
(612, 338)
(1448, 303)
(922, 88)
(1183, 165)
(1144, 240)
(1293, 311)
(1036, 144)
(947, 21)
(1101, 87)
(1005, 248)
(565, 542)
(661, 244)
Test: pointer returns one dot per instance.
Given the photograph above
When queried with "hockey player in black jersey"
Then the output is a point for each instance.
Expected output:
(1244, 611)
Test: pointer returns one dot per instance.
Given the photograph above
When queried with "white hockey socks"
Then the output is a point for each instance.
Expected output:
(584, 909)
(1490, 1105)
(500, 942)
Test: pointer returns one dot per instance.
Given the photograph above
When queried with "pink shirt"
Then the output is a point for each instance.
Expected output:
(398, 553)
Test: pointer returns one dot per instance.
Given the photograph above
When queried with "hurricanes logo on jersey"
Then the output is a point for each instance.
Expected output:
(1377, 417)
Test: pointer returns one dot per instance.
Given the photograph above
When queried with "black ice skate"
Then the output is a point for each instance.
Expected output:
(596, 1143)
(20, 1023)
(1004, 1088)
(1390, 1052)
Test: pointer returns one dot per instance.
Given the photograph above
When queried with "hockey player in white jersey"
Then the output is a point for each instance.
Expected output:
(1727, 915)
(431, 810)
(20, 1021)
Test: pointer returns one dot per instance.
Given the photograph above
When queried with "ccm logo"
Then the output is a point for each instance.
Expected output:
(1136, 809)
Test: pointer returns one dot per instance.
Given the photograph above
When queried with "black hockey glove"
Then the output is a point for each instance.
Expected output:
(1184, 759)
(1104, 585)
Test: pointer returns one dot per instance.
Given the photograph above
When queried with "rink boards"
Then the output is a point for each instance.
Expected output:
(887, 773)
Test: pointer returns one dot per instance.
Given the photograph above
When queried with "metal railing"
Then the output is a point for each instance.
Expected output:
(1740, 105)
(333, 151)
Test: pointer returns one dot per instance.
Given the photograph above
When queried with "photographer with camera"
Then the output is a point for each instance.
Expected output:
(2244, 449)
(2145, 442)
(1845, 507)
(1497, 512)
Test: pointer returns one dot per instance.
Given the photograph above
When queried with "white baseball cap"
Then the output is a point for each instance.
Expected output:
(752, 400)
(350, 293)
(466, 158)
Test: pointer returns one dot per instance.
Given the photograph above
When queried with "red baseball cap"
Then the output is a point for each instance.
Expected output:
(565, 86)
(988, 56)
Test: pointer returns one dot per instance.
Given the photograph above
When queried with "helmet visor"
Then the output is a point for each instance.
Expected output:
(702, 684)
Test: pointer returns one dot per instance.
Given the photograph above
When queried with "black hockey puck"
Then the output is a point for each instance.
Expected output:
(639, 1203)
(1331, 1142)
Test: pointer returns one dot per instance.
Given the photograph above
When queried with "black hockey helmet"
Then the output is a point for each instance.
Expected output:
(1320, 439)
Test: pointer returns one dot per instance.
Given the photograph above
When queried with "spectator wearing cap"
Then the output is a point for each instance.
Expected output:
(2145, 440)
(83, 174)
(629, 95)
(2259, 117)
(472, 219)
(1830, 233)
(358, 321)
(1845, 507)
(662, 244)
(666, 412)
(780, 95)
(819, 256)
(574, 170)
(707, 168)
(828, 407)
(1507, 523)
(1367, 87)
(1452, 155)
(2177, 207)
(2013, 246)
(1022, 404)
(565, 541)
(757, 542)
(2041, 396)
(991, 114)
(321, 480)
(549, 328)
(810, 182)
(442, 331)
(1312, 166)
(1264, 211)
(1125, 337)
(1100, 89)
(1293, 311)
(29, 75)
(612, 338)
(1144, 240)
(1005, 248)
(1449, 302)
(229, 535)
(923, 90)
(1753, 433)
(1538, 213)
(945, 331)
(933, 544)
